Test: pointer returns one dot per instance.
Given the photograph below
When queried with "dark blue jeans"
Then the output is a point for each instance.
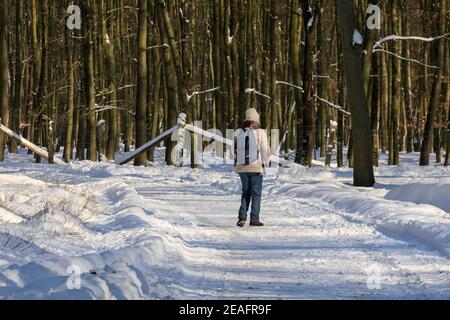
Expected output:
(251, 192)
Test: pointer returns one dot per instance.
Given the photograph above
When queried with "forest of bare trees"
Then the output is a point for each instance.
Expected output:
(134, 65)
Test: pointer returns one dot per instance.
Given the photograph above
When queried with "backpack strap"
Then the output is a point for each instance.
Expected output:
(247, 150)
(235, 151)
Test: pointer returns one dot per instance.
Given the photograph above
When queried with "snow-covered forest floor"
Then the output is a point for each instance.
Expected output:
(169, 233)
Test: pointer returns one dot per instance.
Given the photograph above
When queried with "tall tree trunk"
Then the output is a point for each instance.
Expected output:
(88, 79)
(439, 56)
(370, 37)
(186, 104)
(41, 99)
(241, 41)
(340, 140)
(294, 52)
(384, 103)
(4, 86)
(68, 147)
(274, 35)
(218, 55)
(331, 138)
(18, 86)
(170, 79)
(310, 21)
(363, 168)
(156, 105)
(141, 99)
(322, 70)
(396, 87)
(407, 83)
(36, 70)
(232, 118)
(113, 115)
(447, 103)
(374, 115)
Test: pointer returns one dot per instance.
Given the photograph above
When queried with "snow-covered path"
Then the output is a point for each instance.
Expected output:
(305, 250)
(169, 233)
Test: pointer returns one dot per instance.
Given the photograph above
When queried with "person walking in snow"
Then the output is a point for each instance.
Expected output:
(251, 153)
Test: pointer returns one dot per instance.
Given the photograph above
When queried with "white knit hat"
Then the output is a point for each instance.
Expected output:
(252, 115)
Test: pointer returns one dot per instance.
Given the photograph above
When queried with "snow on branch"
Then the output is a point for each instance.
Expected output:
(290, 85)
(396, 37)
(164, 45)
(406, 59)
(99, 108)
(315, 96)
(189, 96)
(339, 108)
(118, 89)
(252, 90)
(122, 8)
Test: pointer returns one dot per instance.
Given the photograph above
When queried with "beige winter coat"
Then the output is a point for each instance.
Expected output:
(264, 154)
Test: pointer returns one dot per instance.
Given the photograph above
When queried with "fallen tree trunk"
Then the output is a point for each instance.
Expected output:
(132, 155)
(27, 144)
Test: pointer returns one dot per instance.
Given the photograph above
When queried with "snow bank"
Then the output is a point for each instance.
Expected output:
(436, 194)
(422, 222)
(101, 227)
(87, 216)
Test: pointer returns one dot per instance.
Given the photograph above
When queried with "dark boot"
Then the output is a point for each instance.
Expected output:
(256, 223)
(240, 223)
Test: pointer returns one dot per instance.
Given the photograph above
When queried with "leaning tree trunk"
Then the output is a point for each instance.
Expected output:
(363, 169)
(436, 92)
